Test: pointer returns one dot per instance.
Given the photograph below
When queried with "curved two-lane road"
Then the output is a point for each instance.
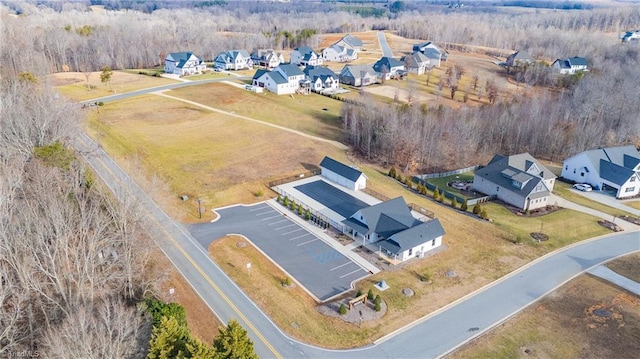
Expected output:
(431, 337)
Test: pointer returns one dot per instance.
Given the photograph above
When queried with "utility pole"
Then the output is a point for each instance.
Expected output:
(199, 208)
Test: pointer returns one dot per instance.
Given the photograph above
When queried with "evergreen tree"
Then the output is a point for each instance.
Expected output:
(343, 309)
(436, 194)
(168, 339)
(454, 202)
(464, 206)
(307, 214)
(440, 196)
(279, 199)
(477, 208)
(233, 342)
(484, 214)
(370, 294)
(392, 172)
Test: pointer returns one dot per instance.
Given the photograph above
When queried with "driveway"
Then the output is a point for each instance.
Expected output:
(627, 226)
(386, 49)
(320, 269)
(608, 199)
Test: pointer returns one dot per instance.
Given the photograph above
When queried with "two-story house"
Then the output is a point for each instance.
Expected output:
(571, 65)
(358, 75)
(416, 63)
(183, 63)
(267, 58)
(431, 51)
(304, 56)
(283, 80)
(388, 67)
(322, 79)
(233, 60)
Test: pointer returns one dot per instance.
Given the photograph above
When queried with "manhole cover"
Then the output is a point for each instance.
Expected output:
(241, 244)
(602, 313)
(450, 274)
(408, 292)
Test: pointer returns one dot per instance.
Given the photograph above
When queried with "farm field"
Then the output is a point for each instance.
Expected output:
(564, 324)
(74, 84)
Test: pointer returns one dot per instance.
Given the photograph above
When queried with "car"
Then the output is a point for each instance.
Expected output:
(582, 187)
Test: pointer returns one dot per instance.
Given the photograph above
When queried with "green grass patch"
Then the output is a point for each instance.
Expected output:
(565, 191)
(441, 182)
(211, 75)
(563, 227)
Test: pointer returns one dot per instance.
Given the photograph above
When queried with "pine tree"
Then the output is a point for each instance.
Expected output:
(370, 294)
(343, 309)
(168, 339)
(484, 214)
(307, 214)
(477, 208)
(279, 199)
(464, 206)
(392, 172)
(436, 194)
(233, 342)
(440, 196)
(454, 202)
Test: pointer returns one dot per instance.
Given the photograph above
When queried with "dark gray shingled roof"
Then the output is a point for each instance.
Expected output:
(614, 173)
(503, 170)
(412, 237)
(343, 170)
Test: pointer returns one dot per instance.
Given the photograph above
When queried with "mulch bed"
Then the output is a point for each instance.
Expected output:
(610, 225)
(633, 220)
(539, 237)
(353, 316)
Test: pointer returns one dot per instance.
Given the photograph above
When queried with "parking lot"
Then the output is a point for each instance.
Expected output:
(322, 270)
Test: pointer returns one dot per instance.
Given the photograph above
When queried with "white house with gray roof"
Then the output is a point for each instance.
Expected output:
(342, 174)
(394, 230)
(358, 75)
(388, 67)
(283, 80)
(183, 63)
(519, 180)
(322, 79)
(233, 60)
(350, 42)
(431, 51)
(339, 53)
(304, 55)
(416, 63)
(616, 168)
(571, 65)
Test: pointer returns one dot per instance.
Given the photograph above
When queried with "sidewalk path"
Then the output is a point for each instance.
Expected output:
(615, 278)
(333, 143)
(627, 226)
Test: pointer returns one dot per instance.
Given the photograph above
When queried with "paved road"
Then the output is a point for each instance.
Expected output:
(433, 336)
(386, 49)
(176, 85)
(615, 278)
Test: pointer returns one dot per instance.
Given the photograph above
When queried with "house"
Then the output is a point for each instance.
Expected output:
(267, 58)
(342, 174)
(396, 232)
(631, 36)
(183, 63)
(350, 42)
(616, 168)
(357, 75)
(519, 180)
(416, 63)
(339, 53)
(283, 80)
(304, 55)
(432, 52)
(388, 67)
(233, 60)
(519, 58)
(322, 79)
(570, 66)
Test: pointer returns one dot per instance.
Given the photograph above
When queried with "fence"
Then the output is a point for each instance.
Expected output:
(293, 178)
(375, 194)
(450, 173)
(413, 206)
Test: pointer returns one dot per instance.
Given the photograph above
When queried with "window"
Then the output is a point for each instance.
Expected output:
(410, 251)
(630, 189)
(581, 174)
(433, 243)
(633, 179)
(497, 189)
(574, 171)
(566, 167)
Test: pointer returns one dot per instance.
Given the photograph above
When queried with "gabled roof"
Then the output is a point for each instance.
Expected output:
(413, 237)
(337, 48)
(356, 71)
(630, 161)
(352, 40)
(577, 61)
(259, 73)
(504, 171)
(304, 50)
(264, 54)
(416, 59)
(290, 70)
(275, 76)
(315, 72)
(614, 173)
(388, 62)
(521, 56)
(178, 56)
(385, 218)
(624, 156)
(343, 170)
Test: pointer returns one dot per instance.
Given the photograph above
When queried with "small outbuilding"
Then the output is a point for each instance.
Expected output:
(342, 174)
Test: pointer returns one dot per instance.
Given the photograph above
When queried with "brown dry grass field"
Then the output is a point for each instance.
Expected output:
(563, 325)
(628, 266)
(74, 84)
(633, 204)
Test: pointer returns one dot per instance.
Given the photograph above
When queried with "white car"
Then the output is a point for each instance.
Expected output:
(582, 187)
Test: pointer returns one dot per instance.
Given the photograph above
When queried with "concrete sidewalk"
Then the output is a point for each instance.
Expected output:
(615, 278)
(609, 200)
(320, 233)
(627, 226)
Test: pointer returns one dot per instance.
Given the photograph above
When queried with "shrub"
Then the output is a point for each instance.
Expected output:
(377, 306)
(359, 293)
(425, 277)
(441, 197)
(300, 210)
(377, 299)
(286, 201)
(279, 199)
(343, 309)
(392, 172)
(484, 214)
(259, 193)
(436, 194)
(292, 205)
(477, 208)
(307, 214)
(464, 207)
(454, 202)
(286, 282)
(370, 294)
(399, 178)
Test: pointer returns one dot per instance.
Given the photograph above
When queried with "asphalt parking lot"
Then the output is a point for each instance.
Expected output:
(333, 198)
(321, 269)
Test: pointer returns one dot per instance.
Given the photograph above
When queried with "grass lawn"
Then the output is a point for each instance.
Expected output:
(210, 75)
(74, 84)
(313, 114)
(628, 266)
(563, 325)
(565, 191)
(441, 182)
(633, 204)
(219, 158)
(563, 227)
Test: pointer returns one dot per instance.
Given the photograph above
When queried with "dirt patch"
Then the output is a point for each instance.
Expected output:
(399, 94)
(610, 225)
(539, 237)
(360, 313)
(634, 220)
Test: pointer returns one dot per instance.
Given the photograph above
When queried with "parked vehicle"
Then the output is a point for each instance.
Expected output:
(582, 187)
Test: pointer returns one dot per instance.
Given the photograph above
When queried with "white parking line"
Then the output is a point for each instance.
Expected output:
(303, 243)
(276, 222)
(300, 236)
(269, 210)
(259, 208)
(350, 273)
(295, 230)
(264, 219)
(283, 227)
(340, 266)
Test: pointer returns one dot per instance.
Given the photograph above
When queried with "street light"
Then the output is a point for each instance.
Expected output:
(199, 208)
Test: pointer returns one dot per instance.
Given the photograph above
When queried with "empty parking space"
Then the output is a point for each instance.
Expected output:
(333, 198)
(320, 268)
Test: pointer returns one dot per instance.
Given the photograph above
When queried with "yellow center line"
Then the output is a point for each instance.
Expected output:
(197, 267)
